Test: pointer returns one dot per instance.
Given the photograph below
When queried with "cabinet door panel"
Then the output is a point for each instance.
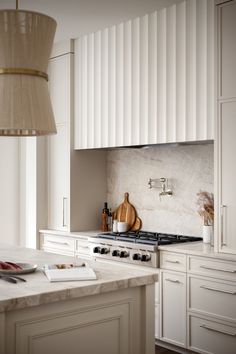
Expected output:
(58, 179)
(104, 330)
(59, 87)
(173, 305)
(228, 173)
(227, 35)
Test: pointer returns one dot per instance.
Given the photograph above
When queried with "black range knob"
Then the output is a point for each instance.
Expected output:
(145, 258)
(137, 257)
(115, 253)
(124, 254)
(104, 250)
(96, 249)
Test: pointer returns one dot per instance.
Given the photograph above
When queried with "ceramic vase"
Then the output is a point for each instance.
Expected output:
(207, 234)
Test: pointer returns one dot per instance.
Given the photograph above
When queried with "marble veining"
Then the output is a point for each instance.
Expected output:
(38, 290)
(198, 249)
(189, 169)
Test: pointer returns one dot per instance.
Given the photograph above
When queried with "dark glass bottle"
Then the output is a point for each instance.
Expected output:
(105, 215)
(109, 222)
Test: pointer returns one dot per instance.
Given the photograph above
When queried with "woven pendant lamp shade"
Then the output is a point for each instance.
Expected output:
(26, 40)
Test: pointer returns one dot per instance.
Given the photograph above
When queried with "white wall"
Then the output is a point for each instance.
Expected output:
(9, 190)
(77, 17)
(189, 168)
(27, 181)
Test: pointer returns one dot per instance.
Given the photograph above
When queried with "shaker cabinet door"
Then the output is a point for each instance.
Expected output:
(173, 308)
(227, 59)
(228, 176)
(59, 87)
(58, 179)
(225, 235)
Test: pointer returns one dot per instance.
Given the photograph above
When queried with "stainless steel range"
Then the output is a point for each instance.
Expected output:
(138, 248)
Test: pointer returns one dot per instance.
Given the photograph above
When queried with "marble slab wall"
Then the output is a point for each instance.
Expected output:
(189, 169)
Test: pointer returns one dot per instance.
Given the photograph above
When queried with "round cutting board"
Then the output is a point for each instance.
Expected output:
(126, 212)
(137, 225)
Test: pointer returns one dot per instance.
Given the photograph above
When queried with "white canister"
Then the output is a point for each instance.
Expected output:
(122, 226)
(207, 233)
(114, 226)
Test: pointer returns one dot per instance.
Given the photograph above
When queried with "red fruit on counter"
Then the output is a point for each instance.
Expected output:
(4, 265)
(16, 266)
(9, 266)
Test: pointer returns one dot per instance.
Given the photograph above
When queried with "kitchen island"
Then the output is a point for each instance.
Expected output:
(111, 315)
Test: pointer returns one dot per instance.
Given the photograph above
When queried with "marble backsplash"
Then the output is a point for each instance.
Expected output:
(189, 169)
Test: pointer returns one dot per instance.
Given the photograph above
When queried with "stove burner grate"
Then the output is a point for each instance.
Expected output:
(146, 237)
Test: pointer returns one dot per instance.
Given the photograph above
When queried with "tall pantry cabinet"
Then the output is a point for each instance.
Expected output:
(60, 87)
(225, 240)
(76, 179)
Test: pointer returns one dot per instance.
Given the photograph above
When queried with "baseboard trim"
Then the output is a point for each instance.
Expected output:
(173, 347)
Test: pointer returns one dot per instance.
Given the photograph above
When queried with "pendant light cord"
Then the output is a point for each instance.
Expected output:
(16, 4)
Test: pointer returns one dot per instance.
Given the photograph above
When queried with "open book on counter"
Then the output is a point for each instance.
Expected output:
(69, 272)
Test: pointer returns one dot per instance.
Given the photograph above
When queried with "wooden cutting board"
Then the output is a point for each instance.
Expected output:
(126, 212)
(137, 225)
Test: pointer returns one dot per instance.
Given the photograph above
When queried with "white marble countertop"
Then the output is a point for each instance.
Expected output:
(75, 234)
(193, 248)
(197, 248)
(38, 290)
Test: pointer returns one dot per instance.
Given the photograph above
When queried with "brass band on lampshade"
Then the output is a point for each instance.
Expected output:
(23, 71)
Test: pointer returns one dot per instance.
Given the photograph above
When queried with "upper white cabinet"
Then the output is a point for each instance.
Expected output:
(227, 57)
(225, 235)
(60, 83)
(148, 80)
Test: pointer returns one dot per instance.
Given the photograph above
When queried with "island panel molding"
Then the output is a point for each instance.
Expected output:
(148, 80)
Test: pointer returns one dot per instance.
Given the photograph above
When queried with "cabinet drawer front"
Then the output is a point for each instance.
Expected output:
(212, 297)
(59, 243)
(211, 337)
(82, 247)
(173, 261)
(212, 268)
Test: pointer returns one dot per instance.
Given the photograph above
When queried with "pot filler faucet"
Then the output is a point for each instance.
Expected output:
(162, 185)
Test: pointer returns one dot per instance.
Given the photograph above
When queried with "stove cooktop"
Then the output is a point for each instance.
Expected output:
(146, 237)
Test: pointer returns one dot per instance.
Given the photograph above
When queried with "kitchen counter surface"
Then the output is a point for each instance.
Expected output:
(198, 249)
(38, 290)
(77, 234)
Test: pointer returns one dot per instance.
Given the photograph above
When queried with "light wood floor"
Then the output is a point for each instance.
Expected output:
(161, 350)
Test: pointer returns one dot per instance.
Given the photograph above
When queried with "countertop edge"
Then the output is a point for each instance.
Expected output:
(198, 249)
(32, 300)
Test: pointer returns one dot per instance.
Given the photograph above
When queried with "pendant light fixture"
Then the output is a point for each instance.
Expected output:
(26, 40)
